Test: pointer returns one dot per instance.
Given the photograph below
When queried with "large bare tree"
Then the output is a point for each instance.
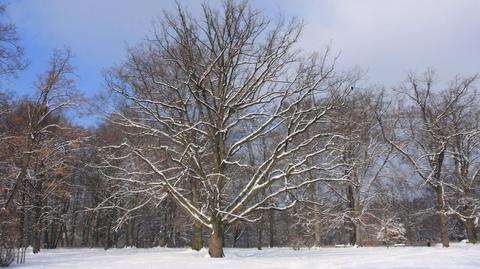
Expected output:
(203, 90)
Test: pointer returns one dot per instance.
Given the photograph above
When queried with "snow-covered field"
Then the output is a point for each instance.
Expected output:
(457, 256)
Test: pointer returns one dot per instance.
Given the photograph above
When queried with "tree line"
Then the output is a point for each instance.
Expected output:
(223, 133)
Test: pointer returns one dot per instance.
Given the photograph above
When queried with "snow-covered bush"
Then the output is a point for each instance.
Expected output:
(391, 231)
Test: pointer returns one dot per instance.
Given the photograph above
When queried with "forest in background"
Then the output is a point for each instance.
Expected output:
(219, 131)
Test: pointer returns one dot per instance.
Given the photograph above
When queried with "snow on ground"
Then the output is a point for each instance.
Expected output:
(457, 256)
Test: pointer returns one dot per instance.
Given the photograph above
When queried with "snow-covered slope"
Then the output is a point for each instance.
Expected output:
(457, 256)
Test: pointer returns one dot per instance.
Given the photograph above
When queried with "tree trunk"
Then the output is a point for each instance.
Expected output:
(357, 212)
(317, 227)
(65, 236)
(316, 214)
(260, 233)
(272, 227)
(92, 231)
(358, 239)
(286, 214)
(471, 231)
(71, 241)
(23, 173)
(237, 233)
(130, 226)
(197, 242)
(352, 229)
(469, 222)
(108, 240)
(164, 236)
(37, 238)
(21, 224)
(247, 236)
(215, 242)
(443, 221)
(37, 228)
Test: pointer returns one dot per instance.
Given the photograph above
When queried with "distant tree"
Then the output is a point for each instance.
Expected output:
(420, 132)
(55, 93)
(11, 53)
(40, 143)
(366, 157)
(464, 149)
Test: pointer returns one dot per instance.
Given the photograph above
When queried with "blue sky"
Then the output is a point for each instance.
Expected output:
(385, 38)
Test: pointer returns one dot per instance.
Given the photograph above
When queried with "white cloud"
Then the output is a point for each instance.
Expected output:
(386, 37)
(392, 37)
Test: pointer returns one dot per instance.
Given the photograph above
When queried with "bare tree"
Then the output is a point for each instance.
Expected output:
(366, 157)
(11, 61)
(421, 133)
(465, 150)
(203, 89)
(55, 93)
(11, 54)
(41, 142)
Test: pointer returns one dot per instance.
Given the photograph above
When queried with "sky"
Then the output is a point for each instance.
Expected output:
(385, 38)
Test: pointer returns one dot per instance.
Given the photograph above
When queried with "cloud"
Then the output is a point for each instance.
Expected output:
(392, 37)
(97, 30)
(386, 37)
